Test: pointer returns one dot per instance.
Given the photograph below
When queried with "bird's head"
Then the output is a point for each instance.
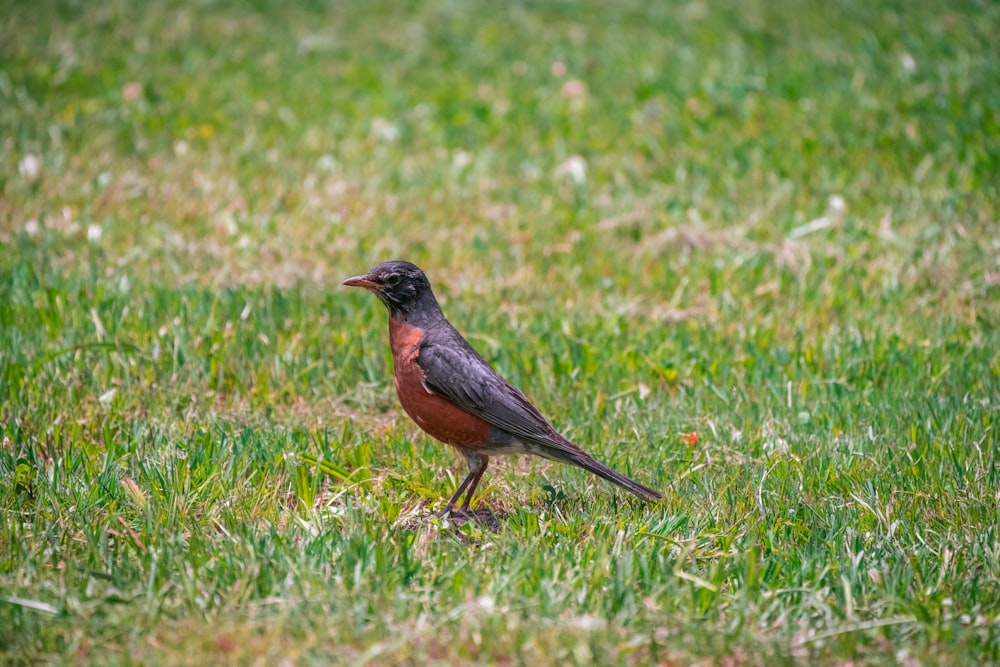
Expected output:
(399, 285)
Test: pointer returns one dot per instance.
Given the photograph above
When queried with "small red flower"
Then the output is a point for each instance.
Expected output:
(690, 438)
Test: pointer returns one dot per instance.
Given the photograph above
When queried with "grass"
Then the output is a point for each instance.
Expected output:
(772, 224)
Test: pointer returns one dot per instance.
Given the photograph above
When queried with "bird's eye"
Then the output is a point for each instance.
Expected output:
(393, 280)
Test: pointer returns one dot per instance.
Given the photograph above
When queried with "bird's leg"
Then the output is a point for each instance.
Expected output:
(477, 466)
(476, 470)
(458, 494)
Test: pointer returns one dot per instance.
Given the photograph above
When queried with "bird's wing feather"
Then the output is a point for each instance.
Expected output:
(458, 373)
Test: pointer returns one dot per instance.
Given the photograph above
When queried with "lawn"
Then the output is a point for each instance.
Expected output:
(772, 225)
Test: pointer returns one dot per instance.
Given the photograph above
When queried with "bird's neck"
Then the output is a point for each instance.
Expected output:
(423, 312)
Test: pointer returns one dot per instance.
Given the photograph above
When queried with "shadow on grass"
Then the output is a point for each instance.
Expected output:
(484, 518)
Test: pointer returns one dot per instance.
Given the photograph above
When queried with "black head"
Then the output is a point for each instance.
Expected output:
(401, 286)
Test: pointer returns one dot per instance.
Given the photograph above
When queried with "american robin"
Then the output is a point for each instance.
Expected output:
(455, 395)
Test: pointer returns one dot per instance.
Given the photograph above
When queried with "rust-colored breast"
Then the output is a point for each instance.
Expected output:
(433, 413)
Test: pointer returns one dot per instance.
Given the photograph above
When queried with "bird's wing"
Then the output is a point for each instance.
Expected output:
(457, 372)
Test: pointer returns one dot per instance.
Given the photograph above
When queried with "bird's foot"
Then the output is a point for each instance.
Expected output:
(448, 512)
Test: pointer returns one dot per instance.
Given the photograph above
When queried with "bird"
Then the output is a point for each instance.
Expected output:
(455, 396)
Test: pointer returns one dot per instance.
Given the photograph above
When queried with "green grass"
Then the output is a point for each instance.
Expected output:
(785, 239)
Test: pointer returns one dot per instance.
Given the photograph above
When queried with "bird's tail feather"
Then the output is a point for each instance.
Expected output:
(615, 477)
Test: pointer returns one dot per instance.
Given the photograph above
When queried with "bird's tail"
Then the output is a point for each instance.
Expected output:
(615, 477)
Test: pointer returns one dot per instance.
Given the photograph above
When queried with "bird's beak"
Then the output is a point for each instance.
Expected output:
(361, 281)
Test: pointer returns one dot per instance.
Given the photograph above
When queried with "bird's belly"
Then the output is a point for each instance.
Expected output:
(436, 415)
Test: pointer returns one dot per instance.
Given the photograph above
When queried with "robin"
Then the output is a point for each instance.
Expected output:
(455, 396)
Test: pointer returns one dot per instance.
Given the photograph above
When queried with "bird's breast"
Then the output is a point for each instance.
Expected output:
(435, 414)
